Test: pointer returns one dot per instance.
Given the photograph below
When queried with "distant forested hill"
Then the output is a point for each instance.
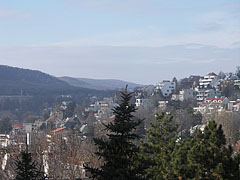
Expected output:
(14, 80)
(24, 90)
(99, 84)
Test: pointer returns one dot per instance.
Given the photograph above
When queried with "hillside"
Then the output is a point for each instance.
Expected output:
(31, 82)
(99, 84)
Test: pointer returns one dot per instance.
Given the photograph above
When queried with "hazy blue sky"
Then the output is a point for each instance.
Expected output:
(143, 41)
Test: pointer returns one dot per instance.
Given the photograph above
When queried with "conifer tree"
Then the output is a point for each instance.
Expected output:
(179, 163)
(27, 169)
(209, 158)
(118, 150)
(155, 152)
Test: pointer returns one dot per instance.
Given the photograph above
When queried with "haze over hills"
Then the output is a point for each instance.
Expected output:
(15, 80)
(99, 84)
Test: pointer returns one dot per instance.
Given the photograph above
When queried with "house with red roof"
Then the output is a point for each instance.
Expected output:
(57, 130)
(236, 107)
(210, 105)
(17, 126)
(222, 101)
(208, 80)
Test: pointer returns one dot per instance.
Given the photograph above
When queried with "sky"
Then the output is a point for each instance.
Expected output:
(141, 41)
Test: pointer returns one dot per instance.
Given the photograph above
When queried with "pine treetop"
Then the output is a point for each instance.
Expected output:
(27, 169)
(118, 150)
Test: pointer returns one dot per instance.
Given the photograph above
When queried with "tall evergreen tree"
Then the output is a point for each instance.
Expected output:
(27, 169)
(209, 158)
(179, 165)
(118, 150)
(155, 152)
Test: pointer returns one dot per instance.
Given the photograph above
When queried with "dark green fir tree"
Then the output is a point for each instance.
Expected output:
(209, 158)
(181, 170)
(155, 153)
(27, 169)
(118, 150)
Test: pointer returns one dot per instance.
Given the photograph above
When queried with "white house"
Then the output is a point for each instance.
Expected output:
(166, 87)
(223, 101)
(237, 83)
(212, 104)
(236, 107)
(208, 80)
(202, 94)
(162, 104)
(140, 102)
(4, 140)
(183, 95)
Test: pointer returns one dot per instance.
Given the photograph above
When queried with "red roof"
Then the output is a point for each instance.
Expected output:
(212, 74)
(214, 101)
(206, 103)
(238, 104)
(211, 99)
(57, 130)
(17, 126)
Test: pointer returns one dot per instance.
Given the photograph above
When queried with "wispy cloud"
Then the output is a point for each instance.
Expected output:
(122, 6)
(212, 35)
(127, 63)
(11, 13)
(215, 25)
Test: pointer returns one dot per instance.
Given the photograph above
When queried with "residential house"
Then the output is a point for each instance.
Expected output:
(237, 83)
(58, 123)
(4, 140)
(140, 102)
(230, 105)
(183, 95)
(16, 128)
(223, 101)
(208, 81)
(212, 105)
(202, 94)
(162, 104)
(28, 127)
(236, 107)
(166, 87)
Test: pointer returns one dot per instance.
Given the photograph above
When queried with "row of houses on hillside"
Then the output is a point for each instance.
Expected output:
(102, 109)
(201, 89)
(211, 105)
